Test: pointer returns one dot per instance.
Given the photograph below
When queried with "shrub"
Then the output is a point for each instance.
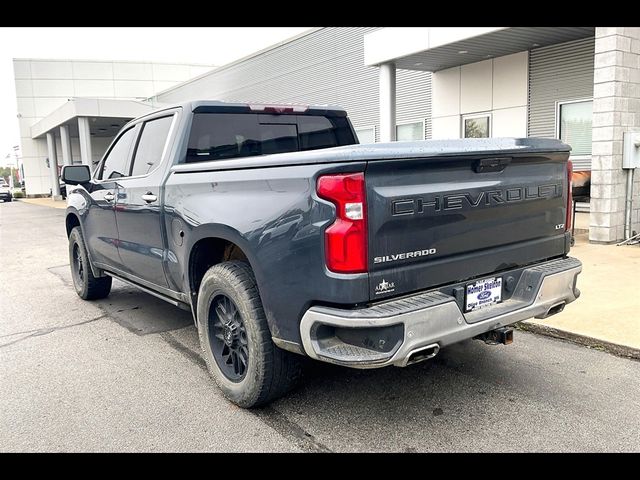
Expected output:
(18, 194)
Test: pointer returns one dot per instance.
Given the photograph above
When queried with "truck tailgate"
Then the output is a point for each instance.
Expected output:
(443, 219)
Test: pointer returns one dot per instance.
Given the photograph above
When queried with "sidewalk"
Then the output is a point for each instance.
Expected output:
(44, 202)
(608, 310)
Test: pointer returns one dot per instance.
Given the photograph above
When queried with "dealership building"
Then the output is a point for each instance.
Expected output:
(579, 84)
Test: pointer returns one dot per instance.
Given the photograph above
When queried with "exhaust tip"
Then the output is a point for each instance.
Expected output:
(423, 353)
(555, 309)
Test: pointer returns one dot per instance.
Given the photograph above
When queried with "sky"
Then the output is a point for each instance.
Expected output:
(208, 45)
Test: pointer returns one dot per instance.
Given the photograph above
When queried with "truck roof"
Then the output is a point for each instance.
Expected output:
(218, 106)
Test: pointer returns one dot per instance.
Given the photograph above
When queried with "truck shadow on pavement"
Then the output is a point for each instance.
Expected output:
(134, 309)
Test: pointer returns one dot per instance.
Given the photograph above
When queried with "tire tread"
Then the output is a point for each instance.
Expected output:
(282, 369)
(96, 287)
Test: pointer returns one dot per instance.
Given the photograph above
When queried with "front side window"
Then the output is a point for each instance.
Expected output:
(115, 163)
(410, 131)
(476, 126)
(575, 126)
(151, 145)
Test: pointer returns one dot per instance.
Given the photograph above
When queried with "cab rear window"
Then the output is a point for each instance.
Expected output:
(218, 136)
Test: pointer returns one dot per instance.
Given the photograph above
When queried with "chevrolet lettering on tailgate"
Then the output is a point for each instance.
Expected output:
(464, 200)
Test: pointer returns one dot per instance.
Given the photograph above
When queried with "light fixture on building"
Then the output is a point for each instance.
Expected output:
(535, 45)
(417, 64)
(463, 51)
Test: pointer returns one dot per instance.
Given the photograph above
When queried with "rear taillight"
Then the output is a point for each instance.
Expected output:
(567, 223)
(346, 237)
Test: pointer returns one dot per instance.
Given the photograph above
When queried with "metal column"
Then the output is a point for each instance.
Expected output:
(85, 141)
(53, 167)
(387, 102)
(65, 141)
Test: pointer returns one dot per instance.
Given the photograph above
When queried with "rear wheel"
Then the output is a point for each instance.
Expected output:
(88, 287)
(235, 339)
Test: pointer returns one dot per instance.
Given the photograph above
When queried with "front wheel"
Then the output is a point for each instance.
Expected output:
(87, 286)
(235, 339)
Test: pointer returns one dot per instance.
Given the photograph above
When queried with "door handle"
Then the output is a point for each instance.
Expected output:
(149, 197)
(109, 196)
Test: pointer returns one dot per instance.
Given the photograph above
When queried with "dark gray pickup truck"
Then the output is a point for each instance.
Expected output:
(284, 237)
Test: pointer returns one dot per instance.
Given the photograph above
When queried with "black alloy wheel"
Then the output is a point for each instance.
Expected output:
(78, 266)
(87, 286)
(229, 343)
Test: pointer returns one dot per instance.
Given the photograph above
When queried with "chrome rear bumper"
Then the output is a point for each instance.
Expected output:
(431, 320)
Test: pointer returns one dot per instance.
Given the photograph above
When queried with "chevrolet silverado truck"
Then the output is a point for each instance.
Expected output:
(286, 238)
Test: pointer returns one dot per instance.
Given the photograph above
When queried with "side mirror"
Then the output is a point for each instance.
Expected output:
(76, 174)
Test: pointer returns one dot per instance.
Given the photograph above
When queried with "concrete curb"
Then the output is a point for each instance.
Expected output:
(590, 342)
(48, 203)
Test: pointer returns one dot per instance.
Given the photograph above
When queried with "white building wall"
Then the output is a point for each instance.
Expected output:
(496, 85)
(44, 85)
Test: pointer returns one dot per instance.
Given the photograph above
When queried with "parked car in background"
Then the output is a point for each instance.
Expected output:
(5, 192)
(63, 188)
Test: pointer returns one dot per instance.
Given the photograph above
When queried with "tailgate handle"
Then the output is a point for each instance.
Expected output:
(491, 164)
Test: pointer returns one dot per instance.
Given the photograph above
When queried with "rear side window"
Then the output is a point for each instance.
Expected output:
(115, 163)
(218, 136)
(151, 145)
(317, 132)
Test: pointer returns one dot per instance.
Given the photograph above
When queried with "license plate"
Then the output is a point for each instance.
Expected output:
(483, 293)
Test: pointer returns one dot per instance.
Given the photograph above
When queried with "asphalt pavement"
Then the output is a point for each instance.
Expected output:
(125, 374)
